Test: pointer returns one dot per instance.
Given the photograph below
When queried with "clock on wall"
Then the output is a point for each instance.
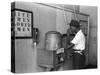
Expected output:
(21, 23)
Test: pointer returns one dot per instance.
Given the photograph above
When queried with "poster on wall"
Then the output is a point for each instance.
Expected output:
(22, 23)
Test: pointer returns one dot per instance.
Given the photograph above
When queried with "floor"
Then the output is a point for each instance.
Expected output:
(68, 66)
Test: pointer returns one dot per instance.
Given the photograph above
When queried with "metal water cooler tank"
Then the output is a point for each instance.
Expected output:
(52, 40)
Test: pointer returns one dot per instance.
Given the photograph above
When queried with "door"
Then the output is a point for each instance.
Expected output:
(84, 27)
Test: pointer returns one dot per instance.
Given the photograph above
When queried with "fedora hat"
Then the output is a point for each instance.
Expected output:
(74, 23)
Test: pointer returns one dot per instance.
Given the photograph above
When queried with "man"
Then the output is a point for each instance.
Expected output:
(78, 45)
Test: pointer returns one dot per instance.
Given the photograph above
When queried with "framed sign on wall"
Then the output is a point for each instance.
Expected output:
(21, 23)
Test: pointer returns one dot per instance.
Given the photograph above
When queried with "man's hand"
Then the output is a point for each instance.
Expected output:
(61, 50)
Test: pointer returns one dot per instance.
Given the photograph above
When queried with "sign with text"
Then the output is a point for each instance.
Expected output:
(22, 21)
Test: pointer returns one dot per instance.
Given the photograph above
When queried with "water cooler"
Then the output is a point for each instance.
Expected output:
(53, 55)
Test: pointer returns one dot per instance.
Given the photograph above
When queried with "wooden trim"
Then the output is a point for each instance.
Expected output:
(21, 10)
(83, 21)
(13, 55)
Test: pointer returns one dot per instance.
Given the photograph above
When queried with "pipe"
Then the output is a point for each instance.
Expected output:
(60, 8)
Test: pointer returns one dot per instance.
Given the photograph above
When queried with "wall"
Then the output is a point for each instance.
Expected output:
(44, 18)
(92, 11)
(63, 18)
